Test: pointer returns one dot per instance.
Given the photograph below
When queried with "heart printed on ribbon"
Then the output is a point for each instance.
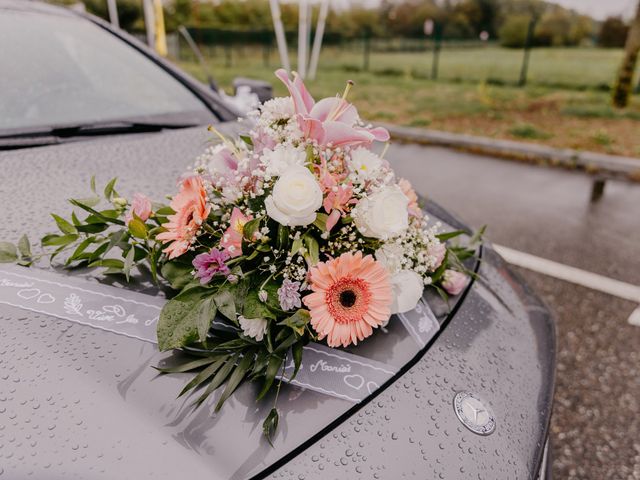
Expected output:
(28, 293)
(372, 386)
(46, 298)
(354, 381)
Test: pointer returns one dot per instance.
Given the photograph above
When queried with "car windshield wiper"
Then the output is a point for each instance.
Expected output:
(58, 134)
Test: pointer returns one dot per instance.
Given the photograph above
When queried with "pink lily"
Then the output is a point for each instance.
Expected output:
(331, 120)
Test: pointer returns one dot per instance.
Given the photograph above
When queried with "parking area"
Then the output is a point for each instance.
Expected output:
(545, 212)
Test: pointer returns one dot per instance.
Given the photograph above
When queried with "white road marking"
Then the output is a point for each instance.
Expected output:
(574, 275)
(634, 318)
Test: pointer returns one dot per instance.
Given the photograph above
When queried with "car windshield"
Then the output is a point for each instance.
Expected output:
(62, 70)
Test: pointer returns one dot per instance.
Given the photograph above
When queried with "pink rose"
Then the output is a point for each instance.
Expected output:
(410, 193)
(438, 252)
(454, 282)
(141, 206)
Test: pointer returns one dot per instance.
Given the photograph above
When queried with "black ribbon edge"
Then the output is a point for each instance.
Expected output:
(355, 408)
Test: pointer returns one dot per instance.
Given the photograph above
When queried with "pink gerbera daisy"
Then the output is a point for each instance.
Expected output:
(351, 296)
(192, 208)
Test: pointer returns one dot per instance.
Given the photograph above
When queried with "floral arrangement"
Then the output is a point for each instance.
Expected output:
(297, 232)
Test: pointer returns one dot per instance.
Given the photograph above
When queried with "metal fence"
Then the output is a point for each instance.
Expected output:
(421, 58)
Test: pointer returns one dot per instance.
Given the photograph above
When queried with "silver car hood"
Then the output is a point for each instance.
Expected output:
(78, 402)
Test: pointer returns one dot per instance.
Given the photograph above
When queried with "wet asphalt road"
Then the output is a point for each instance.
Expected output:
(546, 212)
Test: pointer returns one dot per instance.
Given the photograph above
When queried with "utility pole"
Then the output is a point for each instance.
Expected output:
(437, 46)
(317, 41)
(149, 22)
(280, 36)
(527, 52)
(113, 13)
(624, 84)
(303, 37)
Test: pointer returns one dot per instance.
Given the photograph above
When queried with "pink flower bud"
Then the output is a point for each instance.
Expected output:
(454, 282)
(141, 206)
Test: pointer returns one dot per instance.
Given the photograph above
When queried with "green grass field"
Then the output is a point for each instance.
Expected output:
(565, 103)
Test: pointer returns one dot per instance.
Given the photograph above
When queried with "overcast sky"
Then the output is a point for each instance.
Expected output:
(599, 9)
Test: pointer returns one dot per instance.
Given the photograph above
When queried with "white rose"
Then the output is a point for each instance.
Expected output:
(407, 288)
(390, 255)
(365, 164)
(295, 198)
(281, 158)
(253, 327)
(383, 214)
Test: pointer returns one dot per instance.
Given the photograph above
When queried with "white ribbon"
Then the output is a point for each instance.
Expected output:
(125, 312)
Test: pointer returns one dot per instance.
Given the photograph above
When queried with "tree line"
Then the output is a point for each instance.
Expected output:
(505, 20)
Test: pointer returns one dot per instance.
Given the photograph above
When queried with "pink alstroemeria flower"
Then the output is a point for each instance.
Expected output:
(337, 196)
(330, 120)
(232, 237)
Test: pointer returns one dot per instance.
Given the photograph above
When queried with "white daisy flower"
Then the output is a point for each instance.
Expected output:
(253, 327)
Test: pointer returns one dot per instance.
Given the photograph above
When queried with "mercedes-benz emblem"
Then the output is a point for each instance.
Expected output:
(474, 413)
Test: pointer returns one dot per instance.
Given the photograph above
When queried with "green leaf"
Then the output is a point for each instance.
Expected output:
(177, 274)
(98, 252)
(89, 201)
(478, 235)
(246, 139)
(285, 345)
(226, 301)
(128, 262)
(186, 318)
(270, 425)
(253, 307)
(58, 240)
(92, 227)
(63, 225)
(275, 362)
(298, 321)
(165, 211)
(24, 246)
(76, 255)
(188, 366)
(137, 228)
(203, 376)
(321, 221)
(108, 216)
(108, 263)
(296, 246)
(443, 237)
(296, 353)
(283, 237)
(8, 252)
(220, 377)
(441, 269)
(236, 377)
(313, 249)
(250, 228)
(116, 238)
(109, 189)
